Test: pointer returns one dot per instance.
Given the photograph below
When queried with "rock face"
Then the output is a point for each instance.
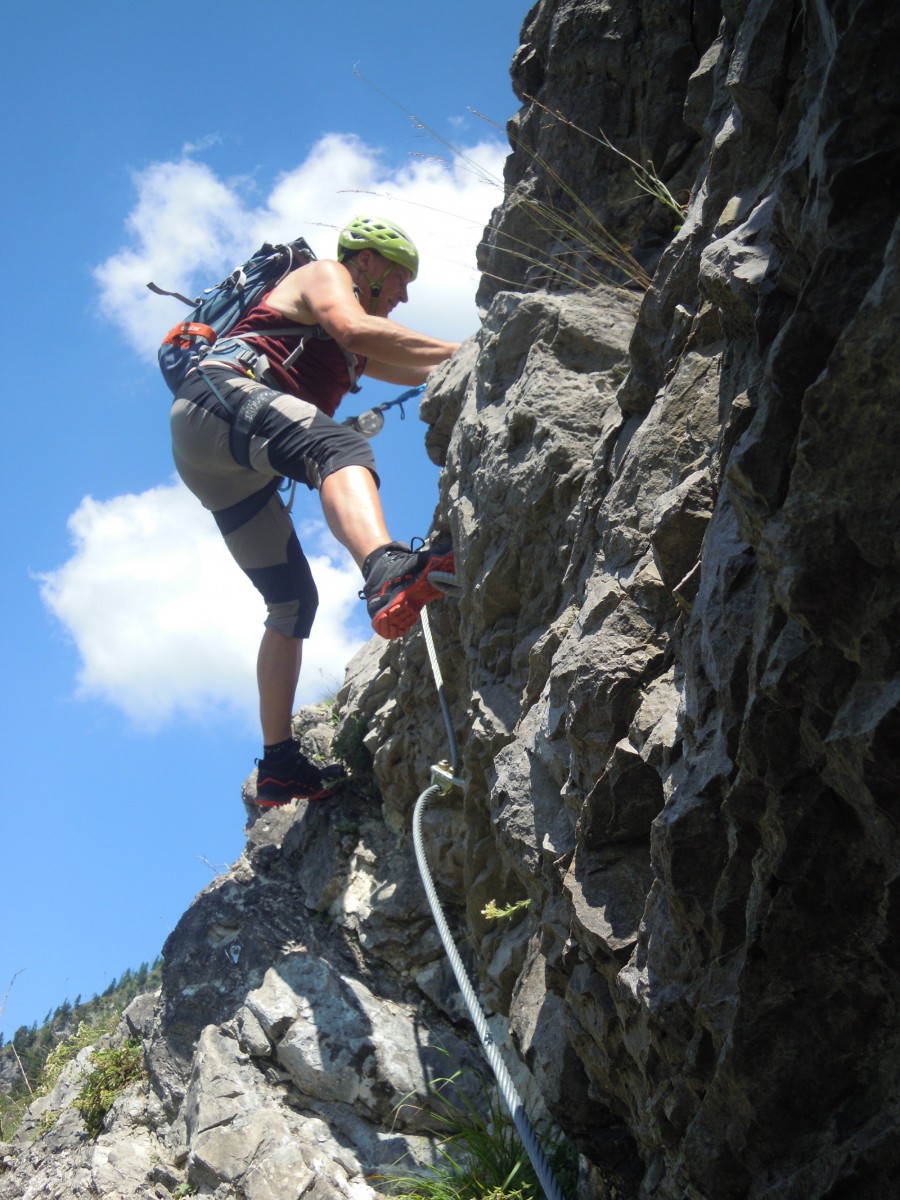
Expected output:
(673, 676)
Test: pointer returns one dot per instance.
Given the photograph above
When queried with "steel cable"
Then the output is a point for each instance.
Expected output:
(506, 1087)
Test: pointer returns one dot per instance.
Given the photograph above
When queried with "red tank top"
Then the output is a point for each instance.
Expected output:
(319, 375)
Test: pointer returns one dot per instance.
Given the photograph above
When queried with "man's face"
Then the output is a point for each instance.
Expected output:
(394, 280)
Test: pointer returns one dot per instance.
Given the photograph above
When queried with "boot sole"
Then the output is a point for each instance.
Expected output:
(265, 802)
(398, 617)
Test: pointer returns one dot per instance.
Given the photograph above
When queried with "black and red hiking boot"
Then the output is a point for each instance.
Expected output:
(294, 778)
(397, 585)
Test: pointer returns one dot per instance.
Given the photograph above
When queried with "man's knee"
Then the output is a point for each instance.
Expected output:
(289, 591)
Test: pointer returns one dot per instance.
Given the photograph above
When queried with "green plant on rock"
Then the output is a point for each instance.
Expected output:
(493, 912)
(114, 1069)
(85, 1035)
(13, 1108)
(47, 1121)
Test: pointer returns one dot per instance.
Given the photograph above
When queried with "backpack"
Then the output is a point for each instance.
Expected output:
(219, 308)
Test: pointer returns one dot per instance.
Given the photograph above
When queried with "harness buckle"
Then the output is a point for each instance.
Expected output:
(236, 351)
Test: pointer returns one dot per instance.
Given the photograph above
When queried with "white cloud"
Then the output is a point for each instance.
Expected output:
(189, 228)
(164, 622)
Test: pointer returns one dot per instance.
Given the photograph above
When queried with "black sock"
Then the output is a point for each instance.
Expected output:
(279, 751)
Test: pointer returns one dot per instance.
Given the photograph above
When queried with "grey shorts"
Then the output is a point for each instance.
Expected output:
(292, 440)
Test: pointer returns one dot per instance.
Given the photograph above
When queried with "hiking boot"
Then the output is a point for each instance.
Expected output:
(397, 585)
(294, 778)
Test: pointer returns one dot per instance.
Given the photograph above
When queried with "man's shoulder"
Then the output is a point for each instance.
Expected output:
(311, 291)
(319, 266)
(320, 272)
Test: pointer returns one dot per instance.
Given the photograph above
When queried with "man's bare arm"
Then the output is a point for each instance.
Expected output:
(405, 376)
(322, 294)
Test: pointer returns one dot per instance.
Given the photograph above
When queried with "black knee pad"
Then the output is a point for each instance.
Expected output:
(289, 591)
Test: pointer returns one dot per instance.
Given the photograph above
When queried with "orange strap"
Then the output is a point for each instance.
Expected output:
(182, 335)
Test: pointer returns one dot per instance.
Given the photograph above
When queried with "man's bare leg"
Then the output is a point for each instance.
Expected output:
(352, 509)
(284, 772)
(277, 674)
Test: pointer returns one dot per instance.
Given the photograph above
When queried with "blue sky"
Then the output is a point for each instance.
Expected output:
(143, 141)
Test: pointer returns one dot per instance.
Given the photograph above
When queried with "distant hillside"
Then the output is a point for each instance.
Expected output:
(25, 1055)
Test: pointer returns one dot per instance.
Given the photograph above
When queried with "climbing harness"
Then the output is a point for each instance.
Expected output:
(444, 777)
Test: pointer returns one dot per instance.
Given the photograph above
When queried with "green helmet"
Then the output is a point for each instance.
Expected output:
(389, 240)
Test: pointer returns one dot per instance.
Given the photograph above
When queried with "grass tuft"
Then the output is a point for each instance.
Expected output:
(644, 174)
(588, 253)
(481, 1156)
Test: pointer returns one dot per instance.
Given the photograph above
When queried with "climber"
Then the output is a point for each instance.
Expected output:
(289, 432)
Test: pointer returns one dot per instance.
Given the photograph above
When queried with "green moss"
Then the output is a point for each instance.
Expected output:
(349, 747)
